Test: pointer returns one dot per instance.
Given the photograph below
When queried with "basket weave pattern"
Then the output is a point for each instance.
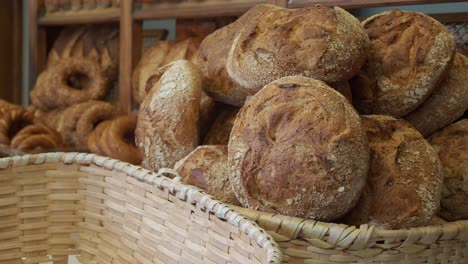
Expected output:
(106, 211)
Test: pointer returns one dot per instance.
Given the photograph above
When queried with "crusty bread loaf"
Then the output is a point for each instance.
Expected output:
(206, 167)
(221, 129)
(451, 144)
(208, 111)
(298, 148)
(325, 43)
(212, 58)
(408, 56)
(167, 128)
(404, 180)
(447, 103)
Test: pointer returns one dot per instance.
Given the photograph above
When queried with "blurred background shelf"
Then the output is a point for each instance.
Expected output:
(80, 17)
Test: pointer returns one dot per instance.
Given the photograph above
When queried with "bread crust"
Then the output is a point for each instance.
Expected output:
(167, 128)
(405, 178)
(451, 144)
(218, 134)
(206, 167)
(409, 55)
(325, 43)
(292, 153)
(447, 103)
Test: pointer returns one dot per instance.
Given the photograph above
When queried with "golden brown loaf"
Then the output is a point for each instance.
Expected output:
(447, 103)
(325, 43)
(221, 129)
(212, 59)
(206, 167)
(408, 56)
(167, 127)
(298, 148)
(451, 144)
(405, 178)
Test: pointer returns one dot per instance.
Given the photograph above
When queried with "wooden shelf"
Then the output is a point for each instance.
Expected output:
(353, 4)
(80, 17)
(195, 10)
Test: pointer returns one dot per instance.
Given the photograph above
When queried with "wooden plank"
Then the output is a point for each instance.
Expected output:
(17, 51)
(32, 43)
(451, 17)
(92, 16)
(126, 38)
(352, 4)
(195, 10)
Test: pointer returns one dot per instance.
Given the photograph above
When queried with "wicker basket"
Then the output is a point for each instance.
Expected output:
(106, 211)
(308, 241)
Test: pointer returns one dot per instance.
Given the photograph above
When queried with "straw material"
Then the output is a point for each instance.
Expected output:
(106, 211)
(308, 241)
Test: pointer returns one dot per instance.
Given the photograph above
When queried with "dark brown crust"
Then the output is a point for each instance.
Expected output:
(408, 56)
(451, 144)
(343, 88)
(206, 167)
(325, 43)
(447, 103)
(404, 181)
(299, 136)
(37, 138)
(221, 128)
(213, 55)
(12, 120)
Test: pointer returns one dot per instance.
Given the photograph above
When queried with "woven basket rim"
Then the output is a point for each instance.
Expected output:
(174, 187)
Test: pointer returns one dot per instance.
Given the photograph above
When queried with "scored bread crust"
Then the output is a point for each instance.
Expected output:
(325, 43)
(404, 180)
(408, 57)
(298, 148)
(451, 144)
(206, 167)
(167, 127)
(447, 103)
(212, 59)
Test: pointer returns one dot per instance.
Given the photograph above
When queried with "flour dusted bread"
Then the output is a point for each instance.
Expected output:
(167, 127)
(409, 53)
(212, 58)
(218, 134)
(206, 167)
(404, 180)
(325, 43)
(451, 144)
(447, 103)
(298, 148)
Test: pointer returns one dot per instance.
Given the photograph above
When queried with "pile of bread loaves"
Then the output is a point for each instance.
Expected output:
(305, 142)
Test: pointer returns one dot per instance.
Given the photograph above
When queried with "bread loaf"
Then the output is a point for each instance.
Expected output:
(404, 180)
(409, 53)
(221, 129)
(208, 111)
(325, 43)
(447, 103)
(343, 88)
(206, 167)
(298, 148)
(212, 59)
(167, 127)
(451, 144)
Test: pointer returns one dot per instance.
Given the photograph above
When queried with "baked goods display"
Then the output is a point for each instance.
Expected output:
(206, 167)
(451, 144)
(405, 177)
(409, 53)
(168, 119)
(36, 138)
(447, 103)
(219, 132)
(315, 153)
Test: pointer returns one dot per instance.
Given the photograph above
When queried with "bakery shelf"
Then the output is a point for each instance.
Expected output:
(350, 4)
(195, 9)
(80, 17)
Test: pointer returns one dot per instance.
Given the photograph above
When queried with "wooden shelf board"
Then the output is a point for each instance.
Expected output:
(352, 4)
(80, 17)
(195, 10)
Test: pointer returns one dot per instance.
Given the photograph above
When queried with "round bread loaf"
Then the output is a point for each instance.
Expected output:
(298, 148)
(404, 180)
(409, 53)
(167, 127)
(221, 129)
(206, 167)
(451, 144)
(325, 43)
(447, 103)
(212, 58)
